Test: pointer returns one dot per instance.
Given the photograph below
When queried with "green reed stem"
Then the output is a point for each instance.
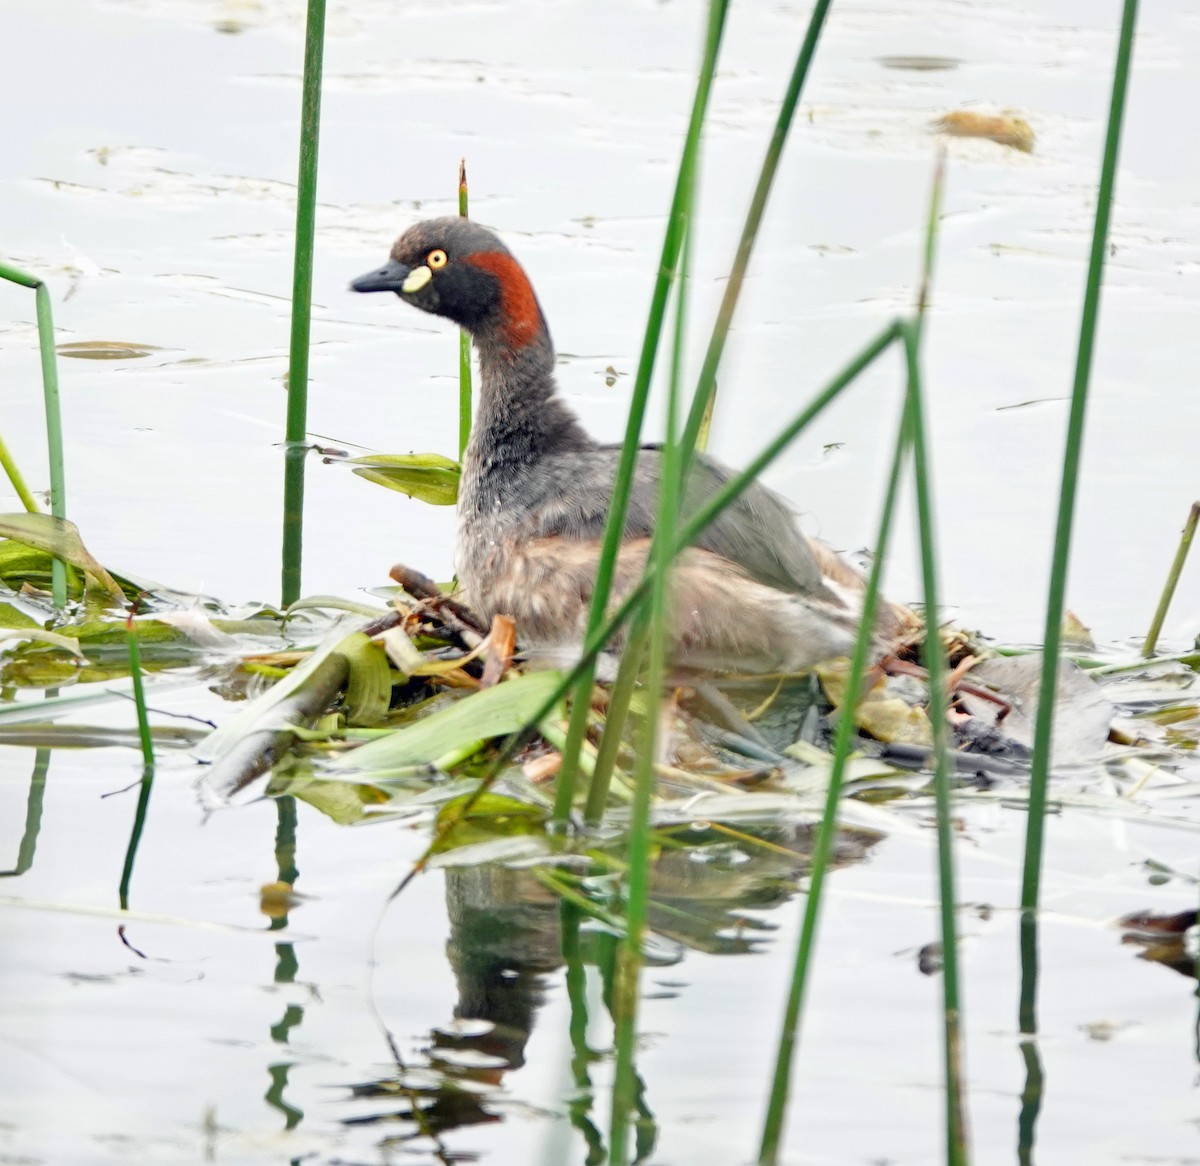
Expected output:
(53, 414)
(629, 953)
(1056, 599)
(54, 437)
(631, 658)
(296, 449)
(596, 640)
(789, 1033)
(957, 1150)
(615, 718)
(706, 386)
(1168, 591)
(738, 483)
(286, 869)
(18, 482)
(17, 276)
(615, 526)
(464, 340)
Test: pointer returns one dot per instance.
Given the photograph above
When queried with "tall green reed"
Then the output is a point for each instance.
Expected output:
(464, 340)
(296, 448)
(772, 1134)
(706, 386)
(910, 442)
(16, 478)
(614, 530)
(1168, 591)
(957, 1151)
(631, 658)
(53, 416)
(701, 407)
(621, 612)
(1056, 598)
(627, 993)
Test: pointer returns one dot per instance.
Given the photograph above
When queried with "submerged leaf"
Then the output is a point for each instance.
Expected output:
(428, 477)
(489, 816)
(105, 350)
(343, 802)
(491, 712)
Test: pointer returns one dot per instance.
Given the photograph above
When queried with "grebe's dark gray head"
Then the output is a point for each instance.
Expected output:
(455, 268)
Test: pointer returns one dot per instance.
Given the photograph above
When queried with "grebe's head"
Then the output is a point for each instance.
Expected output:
(455, 268)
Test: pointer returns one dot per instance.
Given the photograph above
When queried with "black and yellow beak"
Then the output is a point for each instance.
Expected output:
(392, 277)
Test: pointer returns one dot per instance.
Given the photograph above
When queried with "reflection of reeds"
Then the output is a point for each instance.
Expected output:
(648, 605)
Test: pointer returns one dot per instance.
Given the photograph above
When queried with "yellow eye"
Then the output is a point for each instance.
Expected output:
(436, 259)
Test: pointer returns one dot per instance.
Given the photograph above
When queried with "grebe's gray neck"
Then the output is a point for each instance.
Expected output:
(520, 420)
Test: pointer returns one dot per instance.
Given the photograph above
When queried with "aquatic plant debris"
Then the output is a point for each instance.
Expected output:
(1006, 129)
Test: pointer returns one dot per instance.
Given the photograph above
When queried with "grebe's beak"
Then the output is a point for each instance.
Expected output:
(393, 277)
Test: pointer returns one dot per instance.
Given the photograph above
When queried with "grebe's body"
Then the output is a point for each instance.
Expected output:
(753, 594)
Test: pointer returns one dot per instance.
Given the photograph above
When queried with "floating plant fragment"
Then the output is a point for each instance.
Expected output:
(60, 538)
(105, 350)
(428, 477)
(1003, 128)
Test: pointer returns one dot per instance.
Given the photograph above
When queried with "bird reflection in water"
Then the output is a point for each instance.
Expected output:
(511, 933)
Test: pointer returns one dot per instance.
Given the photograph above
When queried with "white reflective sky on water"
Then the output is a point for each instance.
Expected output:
(157, 164)
(147, 173)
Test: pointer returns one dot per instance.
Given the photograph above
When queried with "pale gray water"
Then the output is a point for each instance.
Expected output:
(148, 165)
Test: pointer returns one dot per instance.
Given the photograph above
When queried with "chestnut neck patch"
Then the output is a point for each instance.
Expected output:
(522, 318)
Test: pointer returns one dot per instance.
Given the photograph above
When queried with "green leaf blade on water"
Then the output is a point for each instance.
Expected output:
(428, 477)
(492, 712)
(369, 685)
(60, 538)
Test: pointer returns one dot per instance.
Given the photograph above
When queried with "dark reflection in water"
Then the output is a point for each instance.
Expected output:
(510, 930)
(1031, 1102)
(33, 815)
(287, 966)
(504, 938)
(1164, 939)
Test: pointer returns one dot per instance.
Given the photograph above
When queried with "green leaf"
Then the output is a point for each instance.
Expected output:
(14, 617)
(51, 736)
(97, 632)
(41, 636)
(264, 712)
(428, 477)
(493, 712)
(369, 688)
(342, 802)
(491, 815)
(58, 537)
